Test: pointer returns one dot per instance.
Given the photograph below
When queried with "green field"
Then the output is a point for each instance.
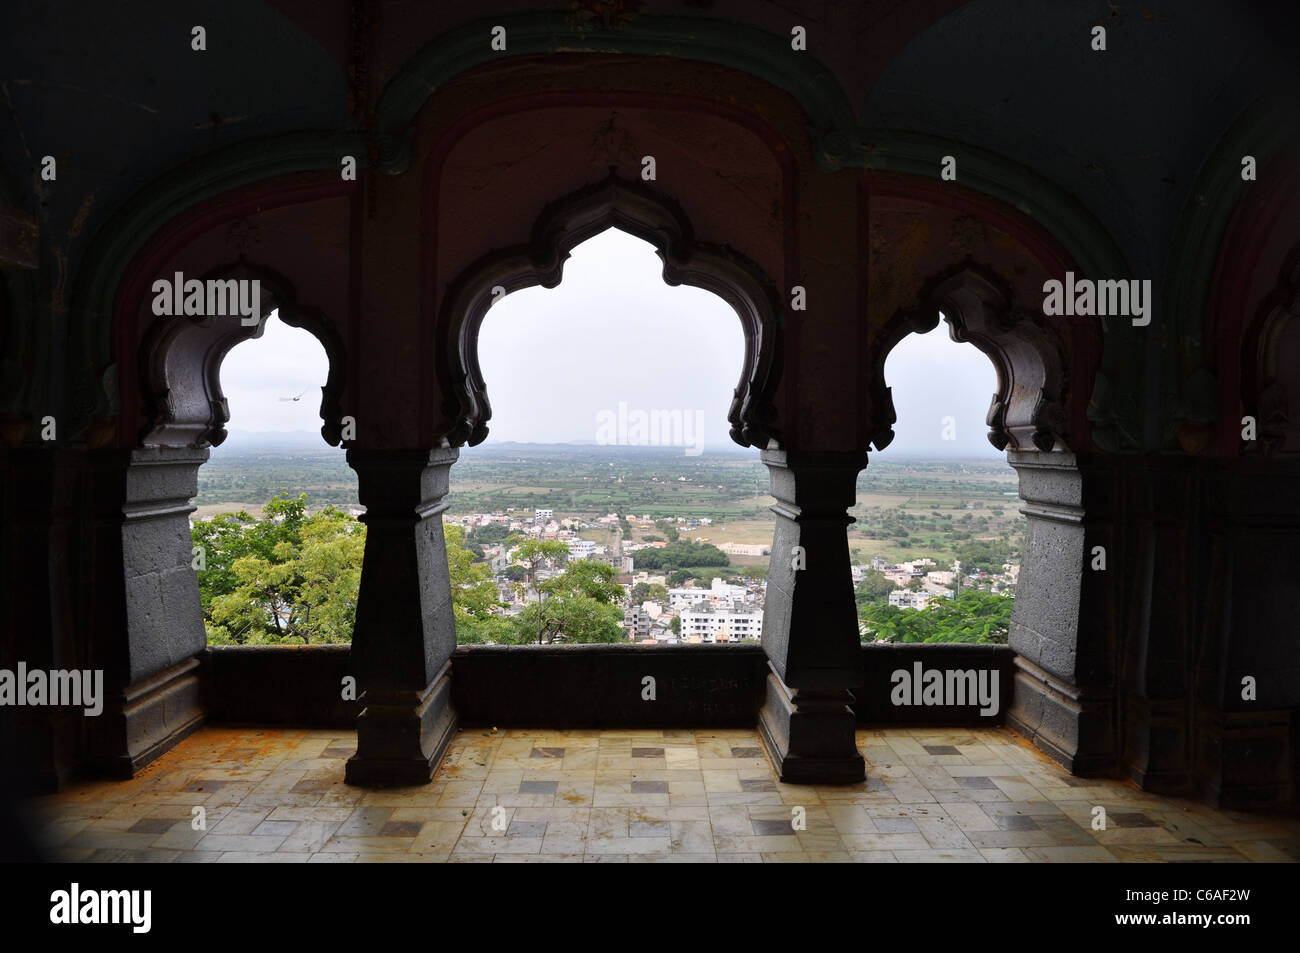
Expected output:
(905, 508)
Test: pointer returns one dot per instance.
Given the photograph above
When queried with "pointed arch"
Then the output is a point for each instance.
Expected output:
(563, 225)
(180, 364)
(1028, 410)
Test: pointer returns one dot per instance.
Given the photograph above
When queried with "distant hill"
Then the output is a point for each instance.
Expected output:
(306, 441)
(295, 440)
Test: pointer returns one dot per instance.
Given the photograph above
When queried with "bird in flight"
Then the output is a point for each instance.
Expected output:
(299, 397)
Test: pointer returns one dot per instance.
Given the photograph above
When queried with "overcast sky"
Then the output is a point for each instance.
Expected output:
(612, 332)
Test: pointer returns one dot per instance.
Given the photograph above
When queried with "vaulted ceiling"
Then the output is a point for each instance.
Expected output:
(117, 95)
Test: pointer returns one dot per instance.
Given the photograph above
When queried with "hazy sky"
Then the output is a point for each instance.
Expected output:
(556, 360)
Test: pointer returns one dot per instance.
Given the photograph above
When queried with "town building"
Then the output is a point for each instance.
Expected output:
(721, 625)
(637, 622)
(681, 597)
(907, 599)
(581, 548)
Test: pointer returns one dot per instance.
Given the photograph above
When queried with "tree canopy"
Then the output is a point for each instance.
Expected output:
(580, 604)
(972, 617)
(679, 554)
(987, 555)
(287, 578)
(874, 589)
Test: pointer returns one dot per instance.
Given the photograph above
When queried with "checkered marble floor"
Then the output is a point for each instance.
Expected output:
(614, 796)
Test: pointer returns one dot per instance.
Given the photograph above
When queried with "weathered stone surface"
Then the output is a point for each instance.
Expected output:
(810, 629)
(405, 631)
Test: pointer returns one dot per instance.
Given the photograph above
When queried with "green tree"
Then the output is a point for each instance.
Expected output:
(488, 535)
(579, 605)
(473, 591)
(972, 617)
(677, 555)
(329, 569)
(287, 578)
(532, 554)
(473, 595)
(985, 555)
(874, 588)
(223, 539)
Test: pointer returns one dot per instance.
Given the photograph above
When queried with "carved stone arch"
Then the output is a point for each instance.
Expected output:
(1270, 379)
(563, 225)
(1028, 410)
(831, 125)
(181, 356)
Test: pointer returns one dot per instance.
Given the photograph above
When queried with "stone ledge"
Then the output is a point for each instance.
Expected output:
(575, 685)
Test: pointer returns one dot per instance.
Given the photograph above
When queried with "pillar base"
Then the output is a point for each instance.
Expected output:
(1246, 759)
(148, 719)
(1071, 726)
(402, 737)
(811, 737)
(1156, 744)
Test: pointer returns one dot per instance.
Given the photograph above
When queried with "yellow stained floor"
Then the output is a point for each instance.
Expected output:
(932, 795)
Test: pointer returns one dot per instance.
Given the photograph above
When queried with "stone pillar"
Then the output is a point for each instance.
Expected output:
(810, 621)
(1165, 529)
(405, 631)
(1248, 663)
(39, 746)
(1067, 614)
(143, 607)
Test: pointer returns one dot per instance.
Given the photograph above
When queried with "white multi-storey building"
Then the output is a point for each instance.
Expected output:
(907, 599)
(685, 598)
(721, 625)
(581, 548)
(719, 593)
(745, 549)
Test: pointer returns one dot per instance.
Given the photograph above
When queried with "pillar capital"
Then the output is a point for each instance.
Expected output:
(395, 483)
(819, 482)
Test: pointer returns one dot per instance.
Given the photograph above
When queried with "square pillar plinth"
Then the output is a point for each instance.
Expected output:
(811, 738)
(810, 622)
(405, 631)
(402, 736)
